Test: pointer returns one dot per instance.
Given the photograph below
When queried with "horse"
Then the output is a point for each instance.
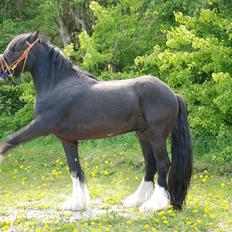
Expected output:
(74, 105)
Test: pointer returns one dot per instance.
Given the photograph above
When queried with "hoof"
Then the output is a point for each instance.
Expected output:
(151, 206)
(158, 201)
(132, 201)
(80, 197)
(142, 194)
(74, 204)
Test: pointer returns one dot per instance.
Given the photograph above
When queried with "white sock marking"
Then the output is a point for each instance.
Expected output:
(159, 200)
(80, 197)
(142, 194)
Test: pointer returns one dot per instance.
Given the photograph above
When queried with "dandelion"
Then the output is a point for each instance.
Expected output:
(5, 227)
(161, 213)
(212, 216)
(170, 211)
(55, 173)
(222, 185)
(106, 173)
(146, 226)
(128, 222)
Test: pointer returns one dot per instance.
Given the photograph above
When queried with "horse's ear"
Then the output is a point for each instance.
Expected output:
(33, 37)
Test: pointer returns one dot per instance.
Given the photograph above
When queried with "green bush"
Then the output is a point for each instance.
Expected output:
(196, 62)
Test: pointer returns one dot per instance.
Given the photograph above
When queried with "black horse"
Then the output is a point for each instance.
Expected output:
(74, 105)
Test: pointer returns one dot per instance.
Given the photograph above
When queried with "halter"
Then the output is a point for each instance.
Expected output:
(8, 70)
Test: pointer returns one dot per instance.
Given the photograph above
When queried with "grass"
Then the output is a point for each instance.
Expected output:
(34, 182)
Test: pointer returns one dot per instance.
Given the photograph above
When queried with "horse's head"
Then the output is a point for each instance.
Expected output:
(18, 55)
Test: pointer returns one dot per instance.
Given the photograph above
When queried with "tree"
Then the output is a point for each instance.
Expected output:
(196, 61)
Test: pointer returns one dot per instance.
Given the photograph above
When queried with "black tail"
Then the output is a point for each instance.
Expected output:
(181, 168)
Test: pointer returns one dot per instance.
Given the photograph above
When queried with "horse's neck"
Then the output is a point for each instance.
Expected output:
(47, 75)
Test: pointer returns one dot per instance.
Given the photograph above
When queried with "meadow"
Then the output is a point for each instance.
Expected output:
(35, 181)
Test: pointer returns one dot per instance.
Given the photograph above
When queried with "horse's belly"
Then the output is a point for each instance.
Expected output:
(94, 129)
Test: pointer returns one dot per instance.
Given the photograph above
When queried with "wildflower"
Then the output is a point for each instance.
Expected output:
(146, 226)
(161, 213)
(106, 173)
(55, 173)
(212, 216)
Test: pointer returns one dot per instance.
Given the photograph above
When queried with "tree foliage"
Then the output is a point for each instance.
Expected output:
(197, 62)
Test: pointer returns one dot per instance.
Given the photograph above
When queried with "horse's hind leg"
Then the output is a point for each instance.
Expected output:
(160, 198)
(80, 196)
(146, 187)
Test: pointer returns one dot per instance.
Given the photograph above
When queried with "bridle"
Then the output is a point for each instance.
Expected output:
(8, 70)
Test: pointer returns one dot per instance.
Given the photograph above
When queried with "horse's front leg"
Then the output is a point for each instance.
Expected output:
(80, 196)
(33, 130)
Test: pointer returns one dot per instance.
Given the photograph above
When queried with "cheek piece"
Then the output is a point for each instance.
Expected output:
(8, 70)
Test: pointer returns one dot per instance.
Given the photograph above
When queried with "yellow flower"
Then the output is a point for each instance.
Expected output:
(106, 173)
(212, 215)
(5, 227)
(195, 211)
(146, 226)
(161, 213)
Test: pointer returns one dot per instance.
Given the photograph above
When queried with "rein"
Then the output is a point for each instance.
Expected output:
(8, 70)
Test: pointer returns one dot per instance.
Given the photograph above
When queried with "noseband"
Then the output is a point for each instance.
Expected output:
(8, 70)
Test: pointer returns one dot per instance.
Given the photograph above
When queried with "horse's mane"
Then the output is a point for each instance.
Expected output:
(59, 58)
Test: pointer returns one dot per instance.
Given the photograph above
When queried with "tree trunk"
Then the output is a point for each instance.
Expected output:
(64, 31)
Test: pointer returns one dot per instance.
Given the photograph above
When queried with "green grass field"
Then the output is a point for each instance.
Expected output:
(34, 182)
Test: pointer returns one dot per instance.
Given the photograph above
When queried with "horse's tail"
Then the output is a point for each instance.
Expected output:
(181, 168)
